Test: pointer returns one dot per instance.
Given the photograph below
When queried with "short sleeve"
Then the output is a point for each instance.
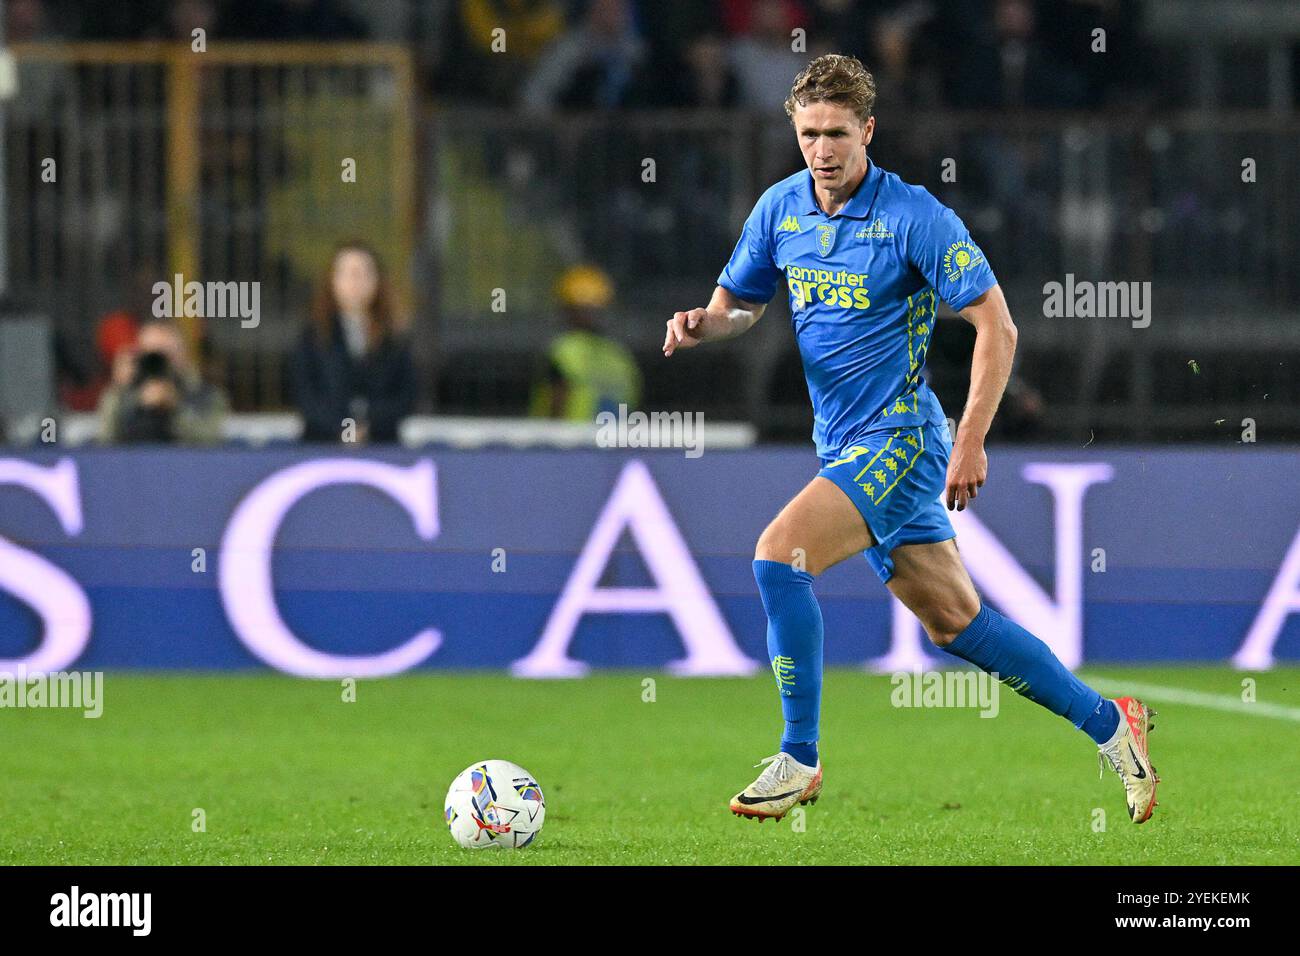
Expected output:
(752, 273)
(941, 249)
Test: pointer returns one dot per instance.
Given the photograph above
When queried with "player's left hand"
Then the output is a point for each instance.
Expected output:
(967, 469)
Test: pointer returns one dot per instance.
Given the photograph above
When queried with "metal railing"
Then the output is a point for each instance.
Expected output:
(1104, 199)
(129, 164)
(226, 166)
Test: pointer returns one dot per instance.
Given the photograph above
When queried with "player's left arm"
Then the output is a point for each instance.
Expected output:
(995, 348)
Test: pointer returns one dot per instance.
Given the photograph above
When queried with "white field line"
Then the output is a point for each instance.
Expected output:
(1194, 698)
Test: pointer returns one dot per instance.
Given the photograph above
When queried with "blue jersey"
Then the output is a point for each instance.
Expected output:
(863, 286)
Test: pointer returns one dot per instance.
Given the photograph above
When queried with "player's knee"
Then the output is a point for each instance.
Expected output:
(945, 621)
(778, 543)
(774, 548)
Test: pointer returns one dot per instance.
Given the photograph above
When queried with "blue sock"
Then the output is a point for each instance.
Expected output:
(1027, 665)
(1101, 724)
(794, 646)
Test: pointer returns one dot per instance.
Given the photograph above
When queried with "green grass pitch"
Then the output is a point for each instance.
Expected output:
(286, 772)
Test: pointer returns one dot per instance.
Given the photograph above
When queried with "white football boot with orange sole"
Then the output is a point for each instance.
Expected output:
(1128, 756)
(782, 784)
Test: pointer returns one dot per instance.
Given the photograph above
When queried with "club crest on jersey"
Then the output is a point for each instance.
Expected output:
(825, 238)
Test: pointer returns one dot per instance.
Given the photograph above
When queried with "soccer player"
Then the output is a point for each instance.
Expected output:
(865, 257)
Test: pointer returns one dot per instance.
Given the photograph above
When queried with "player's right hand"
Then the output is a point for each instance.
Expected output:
(685, 329)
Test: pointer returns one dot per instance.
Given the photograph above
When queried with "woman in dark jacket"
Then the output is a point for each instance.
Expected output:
(350, 362)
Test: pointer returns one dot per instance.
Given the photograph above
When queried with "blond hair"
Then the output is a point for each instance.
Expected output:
(834, 78)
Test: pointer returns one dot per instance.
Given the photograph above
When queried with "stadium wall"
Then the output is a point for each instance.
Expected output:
(361, 563)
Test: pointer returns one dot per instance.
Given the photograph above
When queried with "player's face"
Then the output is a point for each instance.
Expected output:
(833, 140)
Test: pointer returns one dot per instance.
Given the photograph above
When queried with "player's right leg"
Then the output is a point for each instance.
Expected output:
(819, 528)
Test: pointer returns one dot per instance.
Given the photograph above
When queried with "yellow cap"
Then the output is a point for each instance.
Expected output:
(585, 287)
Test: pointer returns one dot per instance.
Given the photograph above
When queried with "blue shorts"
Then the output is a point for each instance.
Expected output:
(896, 478)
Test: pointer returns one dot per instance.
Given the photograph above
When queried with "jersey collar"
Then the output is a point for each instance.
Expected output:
(860, 203)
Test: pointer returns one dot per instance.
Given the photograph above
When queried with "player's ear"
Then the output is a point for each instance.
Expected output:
(868, 130)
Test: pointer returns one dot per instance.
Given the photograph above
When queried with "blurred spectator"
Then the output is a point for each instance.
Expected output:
(475, 65)
(186, 16)
(28, 21)
(762, 55)
(738, 16)
(685, 57)
(45, 90)
(142, 19)
(80, 390)
(1022, 414)
(905, 60)
(290, 20)
(84, 373)
(846, 24)
(711, 80)
(157, 395)
(472, 63)
(587, 373)
(592, 66)
(1006, 65)
(528, 25)
(1121, 75)
(350, 361)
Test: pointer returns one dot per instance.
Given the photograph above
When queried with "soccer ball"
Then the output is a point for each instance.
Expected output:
(494, 803)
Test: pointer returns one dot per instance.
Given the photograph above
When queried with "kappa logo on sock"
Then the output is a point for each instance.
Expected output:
(1018, 684)
(783, 670)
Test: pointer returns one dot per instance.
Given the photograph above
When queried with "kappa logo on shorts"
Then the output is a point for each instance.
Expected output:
(888, 465)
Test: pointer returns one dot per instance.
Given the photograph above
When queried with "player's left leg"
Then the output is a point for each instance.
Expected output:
(932, 582)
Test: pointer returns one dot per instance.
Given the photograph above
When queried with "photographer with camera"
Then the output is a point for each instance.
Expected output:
(158, 396)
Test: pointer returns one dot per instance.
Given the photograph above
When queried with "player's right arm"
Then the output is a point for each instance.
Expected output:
(746, 285)
(724, 317)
